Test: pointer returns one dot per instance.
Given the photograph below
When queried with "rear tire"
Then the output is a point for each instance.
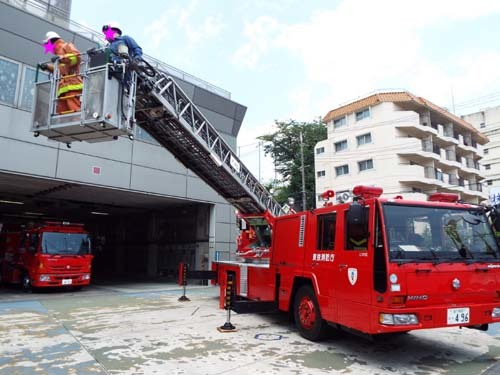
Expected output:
(308, 316)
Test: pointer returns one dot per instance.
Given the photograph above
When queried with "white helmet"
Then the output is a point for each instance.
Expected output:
(113, 25)
(51, 35)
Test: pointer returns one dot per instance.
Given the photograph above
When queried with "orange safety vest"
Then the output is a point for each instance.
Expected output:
(69, 67)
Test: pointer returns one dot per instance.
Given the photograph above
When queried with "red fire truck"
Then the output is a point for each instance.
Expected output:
(52, 254)
(374, 265)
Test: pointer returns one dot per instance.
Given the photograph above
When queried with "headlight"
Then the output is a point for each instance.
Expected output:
(44, 278)
(86, 276)
(398, 319)
(496, 312)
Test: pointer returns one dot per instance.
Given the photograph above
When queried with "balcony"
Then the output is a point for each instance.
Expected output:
(435, 175)
(467, 144)
(452, 158)
(445, 136)
(420, 176)
(474, 190)
(453, 184)
(470, 166)
(415, 128)
(421, 153)
(476, 186)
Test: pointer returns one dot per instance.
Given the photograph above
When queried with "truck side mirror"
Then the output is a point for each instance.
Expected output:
(356, 214)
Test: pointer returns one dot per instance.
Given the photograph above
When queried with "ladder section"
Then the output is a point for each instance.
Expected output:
(171, 118)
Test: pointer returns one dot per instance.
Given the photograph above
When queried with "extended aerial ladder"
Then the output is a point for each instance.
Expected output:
(156, 103)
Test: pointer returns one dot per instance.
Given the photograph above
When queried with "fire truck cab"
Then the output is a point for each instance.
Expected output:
(378, 265)
(47, 255)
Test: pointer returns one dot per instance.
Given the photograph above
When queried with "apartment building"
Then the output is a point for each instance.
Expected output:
(402, 143)
(488, 122)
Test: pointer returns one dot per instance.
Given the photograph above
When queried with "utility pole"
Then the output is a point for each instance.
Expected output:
(303, 172)
(260, 143)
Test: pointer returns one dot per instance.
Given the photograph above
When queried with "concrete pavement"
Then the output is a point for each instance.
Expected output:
(143, 329)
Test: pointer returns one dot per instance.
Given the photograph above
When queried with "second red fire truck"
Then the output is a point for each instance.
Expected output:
(52, 254)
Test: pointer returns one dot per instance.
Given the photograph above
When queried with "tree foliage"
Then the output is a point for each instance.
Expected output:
(284, 147)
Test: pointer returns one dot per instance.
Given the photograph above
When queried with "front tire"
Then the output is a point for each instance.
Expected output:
(308, 316)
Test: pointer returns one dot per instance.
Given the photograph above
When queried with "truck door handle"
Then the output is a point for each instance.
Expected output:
(342, 266)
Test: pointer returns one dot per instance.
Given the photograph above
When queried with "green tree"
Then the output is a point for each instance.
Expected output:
(284, 147)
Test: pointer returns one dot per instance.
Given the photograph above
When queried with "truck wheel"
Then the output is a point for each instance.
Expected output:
(308, 316)
(26, 284)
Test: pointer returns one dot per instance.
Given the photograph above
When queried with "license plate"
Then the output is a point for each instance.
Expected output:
(67, 281)
(458, 316)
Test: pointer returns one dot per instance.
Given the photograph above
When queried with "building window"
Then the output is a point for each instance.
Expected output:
(365, 164)
(320, 174)
(416, 190)
(482, 125)
(320, 150)
(343, 169)
(489, 182)
(28, 87)
(9, 79)
(340, 146)
(364, 139)
(340, 122)
(487, 166)
(361, 115)
(486, 151)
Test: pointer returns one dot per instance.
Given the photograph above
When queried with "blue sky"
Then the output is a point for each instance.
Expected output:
(291, 59)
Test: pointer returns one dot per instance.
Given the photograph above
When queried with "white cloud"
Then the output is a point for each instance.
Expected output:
(158, 30)
(184, 24)
(363, 45)
(261, 35)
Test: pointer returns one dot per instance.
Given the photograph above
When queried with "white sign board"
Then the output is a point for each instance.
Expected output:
(234, 163)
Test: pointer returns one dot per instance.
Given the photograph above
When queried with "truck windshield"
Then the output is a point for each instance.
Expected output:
(55, 243)
(436, 234)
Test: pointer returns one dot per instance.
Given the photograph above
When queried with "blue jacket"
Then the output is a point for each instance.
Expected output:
(134, 51)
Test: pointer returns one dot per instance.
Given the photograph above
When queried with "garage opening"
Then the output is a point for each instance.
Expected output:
(135, 236)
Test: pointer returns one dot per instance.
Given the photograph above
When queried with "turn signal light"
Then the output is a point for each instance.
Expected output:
(398, 300)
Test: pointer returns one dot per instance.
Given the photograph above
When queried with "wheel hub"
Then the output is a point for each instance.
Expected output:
(307, 314)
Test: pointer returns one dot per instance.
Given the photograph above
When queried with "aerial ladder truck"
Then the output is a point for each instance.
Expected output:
(369, 264)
